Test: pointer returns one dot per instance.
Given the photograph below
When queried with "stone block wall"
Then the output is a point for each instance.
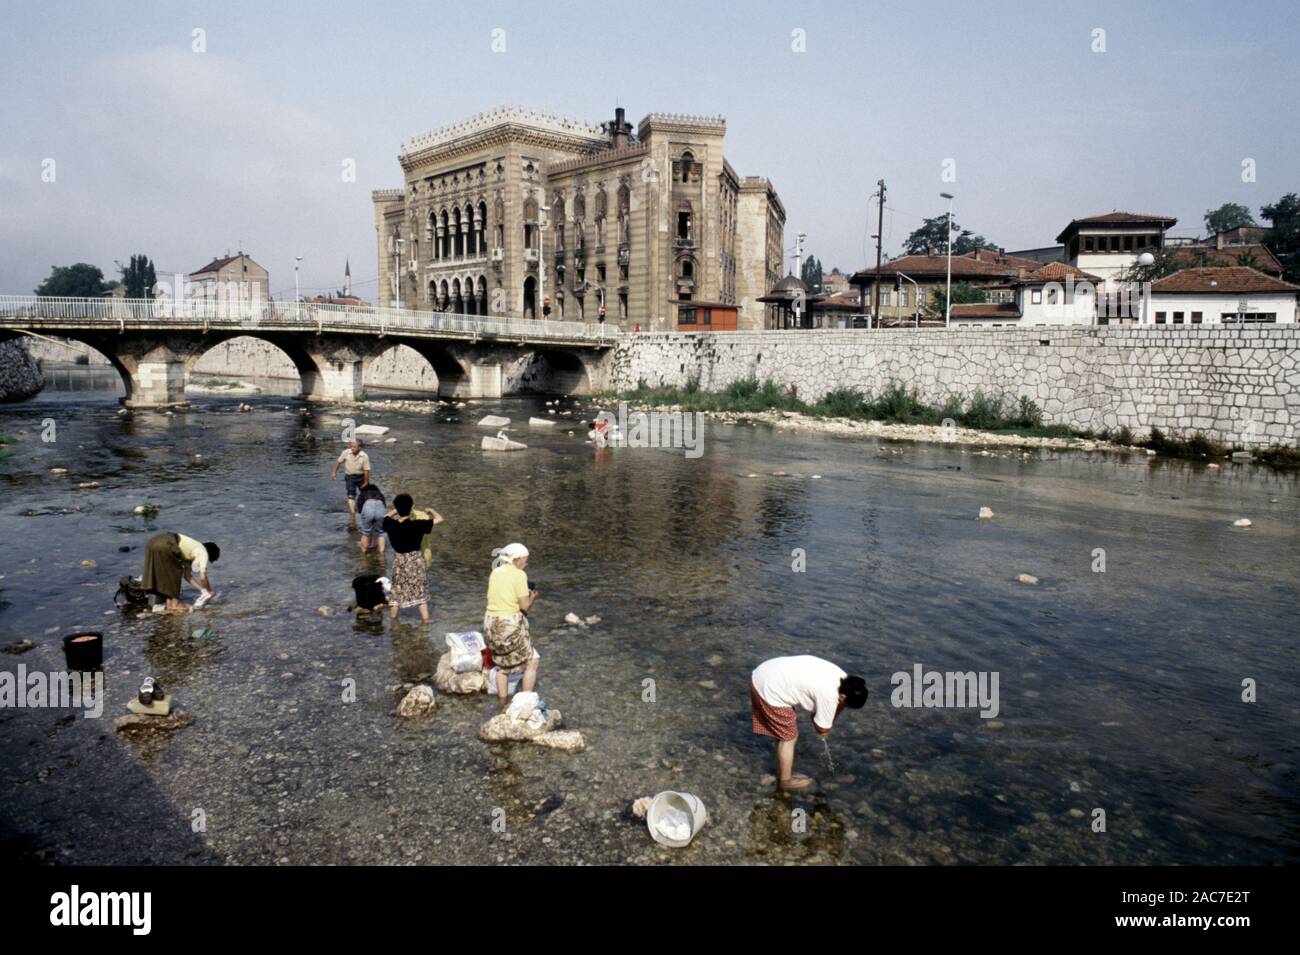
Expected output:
(1235, 385)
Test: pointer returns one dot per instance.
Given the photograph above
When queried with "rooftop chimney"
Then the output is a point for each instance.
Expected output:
(620, 130)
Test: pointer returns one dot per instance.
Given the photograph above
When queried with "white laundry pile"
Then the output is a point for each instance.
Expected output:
(466, 650)
(674, 824)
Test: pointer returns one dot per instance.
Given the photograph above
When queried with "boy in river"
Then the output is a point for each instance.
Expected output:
(778, 685)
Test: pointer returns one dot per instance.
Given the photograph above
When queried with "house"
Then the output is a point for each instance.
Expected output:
(1251, 255)
(901, 301)
(792, 302)
(1109, 244)
(231, 278)
(840, 310)
(1221, 295)
(1056, 294)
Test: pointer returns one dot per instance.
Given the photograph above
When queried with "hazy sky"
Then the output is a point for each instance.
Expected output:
(186, 155)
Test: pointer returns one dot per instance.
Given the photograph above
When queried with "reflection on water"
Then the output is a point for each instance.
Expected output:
(1120, 690)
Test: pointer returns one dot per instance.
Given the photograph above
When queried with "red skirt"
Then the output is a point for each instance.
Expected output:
(779, 721)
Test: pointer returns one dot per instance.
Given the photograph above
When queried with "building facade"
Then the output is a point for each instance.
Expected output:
(513, 211)
(233, 279)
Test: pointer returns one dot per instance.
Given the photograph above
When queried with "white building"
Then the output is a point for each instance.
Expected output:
(1108, 244)
(1056, 294)
(1221, 296)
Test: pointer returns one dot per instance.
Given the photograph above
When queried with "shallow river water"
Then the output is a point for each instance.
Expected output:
(1118, 690)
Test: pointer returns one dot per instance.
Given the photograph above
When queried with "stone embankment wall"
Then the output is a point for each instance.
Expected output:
(1235, 385)
(20, 377)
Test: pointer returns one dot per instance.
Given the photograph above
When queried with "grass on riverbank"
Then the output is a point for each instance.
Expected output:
(895, 405)
(5, 441)
(899, 405)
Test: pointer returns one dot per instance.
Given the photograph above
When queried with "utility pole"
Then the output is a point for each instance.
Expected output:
(798, 267)
(880, 231)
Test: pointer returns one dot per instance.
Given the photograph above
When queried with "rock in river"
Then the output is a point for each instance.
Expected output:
(419, 702)
(448, 680)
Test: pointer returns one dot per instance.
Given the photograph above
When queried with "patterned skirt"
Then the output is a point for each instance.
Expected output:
(410, 580)
(779, 721)
(509, 640)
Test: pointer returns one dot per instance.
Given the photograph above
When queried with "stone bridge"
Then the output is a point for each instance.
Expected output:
(154, 345)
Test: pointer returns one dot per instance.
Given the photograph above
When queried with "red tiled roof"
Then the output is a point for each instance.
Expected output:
(1232, 280)
(216, 264)
(1191, 256)
(1117, 218)
(986, 310)
(1059, 272)
(988, 265)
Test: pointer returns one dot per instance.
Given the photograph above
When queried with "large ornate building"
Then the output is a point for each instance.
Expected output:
(512, 208)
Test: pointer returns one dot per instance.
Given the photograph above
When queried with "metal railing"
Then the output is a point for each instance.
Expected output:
(120, 314)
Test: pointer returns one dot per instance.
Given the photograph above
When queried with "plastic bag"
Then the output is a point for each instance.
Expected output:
(466, 651)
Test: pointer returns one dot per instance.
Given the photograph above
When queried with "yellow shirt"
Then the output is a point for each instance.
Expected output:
(194, 552)
(505, 586)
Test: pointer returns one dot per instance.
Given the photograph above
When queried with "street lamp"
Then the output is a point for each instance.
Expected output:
(543, 213)
(916, 302)
(1145, 260)
(947, 305)
(297, 296)
(397, 275)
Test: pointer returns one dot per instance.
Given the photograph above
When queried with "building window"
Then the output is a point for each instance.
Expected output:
(1196, 318)
(1036, 297)
(902, 297)
(622, 306)
(600, 273)
(1089, 244)
(1160, 318)
(885, 296)
(1178, 318)
(1248, 317)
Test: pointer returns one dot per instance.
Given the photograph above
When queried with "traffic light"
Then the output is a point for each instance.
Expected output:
(602, 313)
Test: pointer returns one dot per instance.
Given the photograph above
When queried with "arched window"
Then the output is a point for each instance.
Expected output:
(480, 223)
(471, 234)
(557, 215)
(685, 165)
(530, 223)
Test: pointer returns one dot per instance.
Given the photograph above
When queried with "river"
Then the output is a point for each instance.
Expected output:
(1119, 690)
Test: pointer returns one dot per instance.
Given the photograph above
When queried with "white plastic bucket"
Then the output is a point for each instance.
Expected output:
(669, 801)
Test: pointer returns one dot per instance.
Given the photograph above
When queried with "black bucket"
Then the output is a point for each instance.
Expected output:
(85, 650)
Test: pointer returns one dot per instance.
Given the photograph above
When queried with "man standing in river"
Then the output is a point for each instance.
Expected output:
(356, 471)
(778, 685)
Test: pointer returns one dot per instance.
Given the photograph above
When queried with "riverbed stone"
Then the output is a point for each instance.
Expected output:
(420, 701)
(447, 680)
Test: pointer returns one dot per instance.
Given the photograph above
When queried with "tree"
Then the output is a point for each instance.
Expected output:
(811, 273)
(1165, 263)
(932, 237)
(963, 293)
(78, 281)
(138, 277)
(1230, 215)
(1284, 238)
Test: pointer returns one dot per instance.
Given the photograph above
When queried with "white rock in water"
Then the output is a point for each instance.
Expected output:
(572, 618)
(390, 440)
(568, 741)
(1027, 579)
(986, 513)
(375, 429)
(447, 680)
(1243, 522)
(541, 423)
(323, 611)
(642, 805)
(592, 620)
(58, 470)
(419, 702)
(493, 421)
(503, 727)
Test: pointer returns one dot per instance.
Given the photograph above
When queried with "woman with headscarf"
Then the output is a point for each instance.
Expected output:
(505, 624)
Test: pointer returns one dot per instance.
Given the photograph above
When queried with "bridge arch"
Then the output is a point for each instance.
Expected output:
(556, 371)
(93, 353)
(450, 376)
(248, 353)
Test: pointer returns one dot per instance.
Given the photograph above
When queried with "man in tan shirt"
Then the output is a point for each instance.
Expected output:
(356, 471)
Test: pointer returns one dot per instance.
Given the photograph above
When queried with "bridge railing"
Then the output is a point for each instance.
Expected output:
(121, 313)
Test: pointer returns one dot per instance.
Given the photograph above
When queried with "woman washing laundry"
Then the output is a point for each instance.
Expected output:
(170, 557)
(505, 624)
(409, 575)
(371, 508)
